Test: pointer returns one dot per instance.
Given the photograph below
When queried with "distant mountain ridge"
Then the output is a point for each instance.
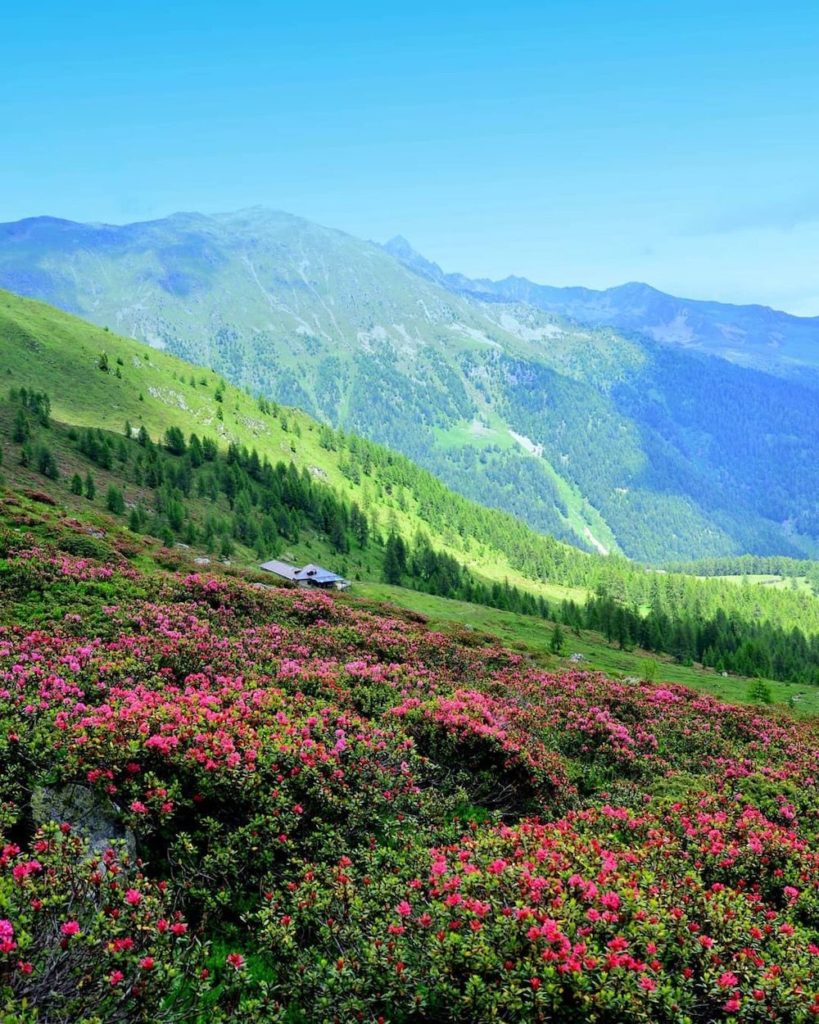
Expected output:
(603, 436)
(750, 335)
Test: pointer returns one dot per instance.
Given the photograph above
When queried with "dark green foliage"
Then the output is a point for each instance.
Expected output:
(760, 692)
(137, 520)
(338, 535)
(753, 565)
(197, 455)
(90, 487)
(557, 641)
(395, 559)
(21, 431)
(98, 446)
(46, 463)
(36, 403)
(175, 441)
(747, 647)
(359, 526)
(114, 500)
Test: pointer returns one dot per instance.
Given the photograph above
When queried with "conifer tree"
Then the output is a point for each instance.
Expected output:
(556, 641)
(395, 559)
(21, 431)
(114, 500)
(46, 463)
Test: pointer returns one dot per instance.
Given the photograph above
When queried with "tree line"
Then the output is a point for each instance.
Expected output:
(719, 641)
(204, 496)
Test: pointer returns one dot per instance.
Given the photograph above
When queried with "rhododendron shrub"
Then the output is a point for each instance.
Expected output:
(373, 820)
(91, 937)
(603, 915)
(478, 740)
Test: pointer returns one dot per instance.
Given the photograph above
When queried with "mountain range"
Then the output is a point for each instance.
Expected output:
(755, 336)
(624, 420)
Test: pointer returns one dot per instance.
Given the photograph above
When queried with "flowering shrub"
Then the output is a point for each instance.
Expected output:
(86, 937)
(500, 762)
(605, 914)
(371, 820)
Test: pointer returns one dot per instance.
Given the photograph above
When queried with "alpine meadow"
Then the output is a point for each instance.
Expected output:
(396, 635)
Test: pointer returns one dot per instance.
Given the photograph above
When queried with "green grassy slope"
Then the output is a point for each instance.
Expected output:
(43, 348)
(532, 636)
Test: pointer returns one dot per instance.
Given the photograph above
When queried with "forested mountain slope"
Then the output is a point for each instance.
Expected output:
(613, 443)
(192, 459)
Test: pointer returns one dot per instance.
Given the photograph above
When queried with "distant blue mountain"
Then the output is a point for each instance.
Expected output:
(748, 335)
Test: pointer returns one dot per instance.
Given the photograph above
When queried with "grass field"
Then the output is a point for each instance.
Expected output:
(798, 584)
(532, 636)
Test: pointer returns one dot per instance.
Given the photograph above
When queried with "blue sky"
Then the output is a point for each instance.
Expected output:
(573, 143)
